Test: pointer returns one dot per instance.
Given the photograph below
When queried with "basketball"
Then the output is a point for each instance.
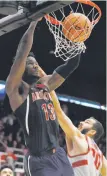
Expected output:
(76, 27)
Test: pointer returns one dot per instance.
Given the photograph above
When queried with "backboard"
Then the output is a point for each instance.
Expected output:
(26, 12)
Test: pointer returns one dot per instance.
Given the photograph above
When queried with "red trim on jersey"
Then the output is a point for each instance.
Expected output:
(82, 153)
(40, 86)
(93, 151)
(79, 163)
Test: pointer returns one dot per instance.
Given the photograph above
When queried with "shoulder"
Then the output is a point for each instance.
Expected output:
(81, 140)
(18, 90)
(22, 90)
(18, 96)
(79, 143)
(79, 146)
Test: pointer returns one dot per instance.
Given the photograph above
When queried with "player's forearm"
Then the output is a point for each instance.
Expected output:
(41, 72)
(58, 109)
(26, 42)
(62, 72)
(66, 69)
(55, 101)
(65, 123)
(63, 120)
(15, 76)
(53, 94)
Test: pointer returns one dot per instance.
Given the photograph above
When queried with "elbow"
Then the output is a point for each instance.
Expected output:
(8, 88)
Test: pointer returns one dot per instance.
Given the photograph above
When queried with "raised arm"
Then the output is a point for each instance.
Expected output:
(64, 121)
(61, 73)
(15, 76)
(66, 124)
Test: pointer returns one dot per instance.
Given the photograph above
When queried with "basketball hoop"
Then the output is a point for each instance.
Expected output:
(67, 49)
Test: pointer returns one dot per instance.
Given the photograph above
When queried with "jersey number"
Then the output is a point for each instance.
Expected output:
(49, 111)
(97, 157)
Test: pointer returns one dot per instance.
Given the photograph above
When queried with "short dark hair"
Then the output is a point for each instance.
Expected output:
(98, 127)
(31, 54)
(5, 166)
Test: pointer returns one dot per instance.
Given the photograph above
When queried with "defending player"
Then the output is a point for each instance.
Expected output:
(32, 104)
(83, 153)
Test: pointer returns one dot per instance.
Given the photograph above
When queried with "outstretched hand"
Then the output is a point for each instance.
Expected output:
(36, 21)
(41, 72)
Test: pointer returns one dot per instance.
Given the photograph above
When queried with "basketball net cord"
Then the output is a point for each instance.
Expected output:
(64, 48)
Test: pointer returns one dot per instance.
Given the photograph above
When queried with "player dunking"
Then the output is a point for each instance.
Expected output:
(32, 104)
(83, 153)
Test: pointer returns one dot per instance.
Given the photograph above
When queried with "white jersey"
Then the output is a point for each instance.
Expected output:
(87, 164)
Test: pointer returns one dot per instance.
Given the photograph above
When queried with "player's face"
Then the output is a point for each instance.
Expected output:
(32, 66)
(86, 126)
(6, 172)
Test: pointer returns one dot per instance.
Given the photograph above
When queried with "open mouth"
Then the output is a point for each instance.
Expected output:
(35, 70)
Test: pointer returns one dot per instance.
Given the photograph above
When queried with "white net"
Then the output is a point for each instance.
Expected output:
(65, 48)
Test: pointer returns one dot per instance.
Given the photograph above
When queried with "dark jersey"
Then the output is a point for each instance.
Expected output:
(38, 120)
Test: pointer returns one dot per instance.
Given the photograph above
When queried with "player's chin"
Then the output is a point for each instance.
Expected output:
(34, 73)
(80, 129)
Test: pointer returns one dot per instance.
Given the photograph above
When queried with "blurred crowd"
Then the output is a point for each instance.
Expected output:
(11, 136)
(10, 133)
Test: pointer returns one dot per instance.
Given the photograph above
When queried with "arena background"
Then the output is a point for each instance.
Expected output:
(88, 81)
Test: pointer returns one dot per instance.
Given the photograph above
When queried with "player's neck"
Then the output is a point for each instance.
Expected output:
(31, 80)
(85, 131)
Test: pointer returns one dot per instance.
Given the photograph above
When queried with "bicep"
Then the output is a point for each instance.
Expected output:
(15, 76)
(18, 67)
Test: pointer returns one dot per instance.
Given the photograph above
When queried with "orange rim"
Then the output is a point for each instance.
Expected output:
(52, 20)
(92, 4)
(87, 2)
